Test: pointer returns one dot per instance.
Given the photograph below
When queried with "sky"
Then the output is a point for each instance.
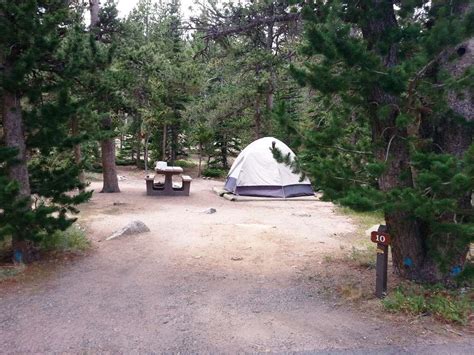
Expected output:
(125, 6)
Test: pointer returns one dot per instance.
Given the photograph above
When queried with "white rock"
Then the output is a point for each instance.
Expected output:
(210, 211)
(134, 227)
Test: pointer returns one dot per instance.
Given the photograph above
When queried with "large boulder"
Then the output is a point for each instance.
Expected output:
(134, 227)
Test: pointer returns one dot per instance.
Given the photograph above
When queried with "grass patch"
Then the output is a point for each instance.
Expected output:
(214, 172)
(72, 239)
(185, 164)
(452, 306)
(364, 220)
(9, 271)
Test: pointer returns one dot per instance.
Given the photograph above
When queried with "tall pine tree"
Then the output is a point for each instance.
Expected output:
(36, 165)
(398, 74)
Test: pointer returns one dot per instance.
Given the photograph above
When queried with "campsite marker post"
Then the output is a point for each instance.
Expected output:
(382, 238)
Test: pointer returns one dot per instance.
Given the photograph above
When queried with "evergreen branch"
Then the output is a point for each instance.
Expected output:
(215, 33)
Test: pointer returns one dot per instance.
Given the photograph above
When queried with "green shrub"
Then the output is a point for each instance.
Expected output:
(185, 164)
(214, 172)
(448, 305)
(72, 239)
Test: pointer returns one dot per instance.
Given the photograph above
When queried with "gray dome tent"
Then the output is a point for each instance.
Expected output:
(255, 172)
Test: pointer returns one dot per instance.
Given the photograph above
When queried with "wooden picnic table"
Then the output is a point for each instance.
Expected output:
(167, 189)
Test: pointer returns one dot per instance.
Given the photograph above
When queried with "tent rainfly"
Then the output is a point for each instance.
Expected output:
(255, 172)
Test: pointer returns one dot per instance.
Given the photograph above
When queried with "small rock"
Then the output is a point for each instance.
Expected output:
(210, 211)
(121, 177)
(236, 258)
(119, 203)
(301, 214)
(134, 227)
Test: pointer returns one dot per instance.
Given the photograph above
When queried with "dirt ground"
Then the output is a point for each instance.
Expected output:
(253, 277)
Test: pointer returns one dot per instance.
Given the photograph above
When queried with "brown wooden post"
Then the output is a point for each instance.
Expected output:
(382, 238)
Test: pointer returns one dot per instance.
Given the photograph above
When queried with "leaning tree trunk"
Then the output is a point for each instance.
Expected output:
(109, 170)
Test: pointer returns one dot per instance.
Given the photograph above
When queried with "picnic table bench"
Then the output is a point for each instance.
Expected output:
(166, 188)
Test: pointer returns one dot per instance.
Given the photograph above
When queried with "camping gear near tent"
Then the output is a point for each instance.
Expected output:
(255, 172)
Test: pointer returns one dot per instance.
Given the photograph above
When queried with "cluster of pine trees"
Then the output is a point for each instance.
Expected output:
(375, 96)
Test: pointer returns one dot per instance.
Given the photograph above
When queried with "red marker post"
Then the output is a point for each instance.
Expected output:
(382, 238)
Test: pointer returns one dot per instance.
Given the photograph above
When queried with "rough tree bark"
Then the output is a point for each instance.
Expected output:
(410, 238)
(454, 136)
(269, 48)
(14, 135)
(77, 149)
(163, 143)
(200, 159)
(15, 138)
(391, 146)
(174, 143)
(145, 152)
(109, 170)
(138, 149)
(94, 11)
(257, 117)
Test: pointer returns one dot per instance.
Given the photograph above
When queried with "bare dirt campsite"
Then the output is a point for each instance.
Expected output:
(221, 176)
(257, 276)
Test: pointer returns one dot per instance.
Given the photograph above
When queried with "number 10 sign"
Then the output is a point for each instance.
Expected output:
(380, 237)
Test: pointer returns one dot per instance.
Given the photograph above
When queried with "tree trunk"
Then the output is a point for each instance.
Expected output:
(174, 143)
(145, 152)
(109, 170)
(14, 134)
(163, 144)
(391, 146)
(15, 138)
(224, 153)
(413, 246)
(271, 80)
(94, 11)
(138, 150)
(78, 151)
(454, 136)
(258, 117)
(200, 160)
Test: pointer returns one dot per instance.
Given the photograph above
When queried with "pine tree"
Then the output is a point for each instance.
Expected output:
(384, 74)
(36, 165)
